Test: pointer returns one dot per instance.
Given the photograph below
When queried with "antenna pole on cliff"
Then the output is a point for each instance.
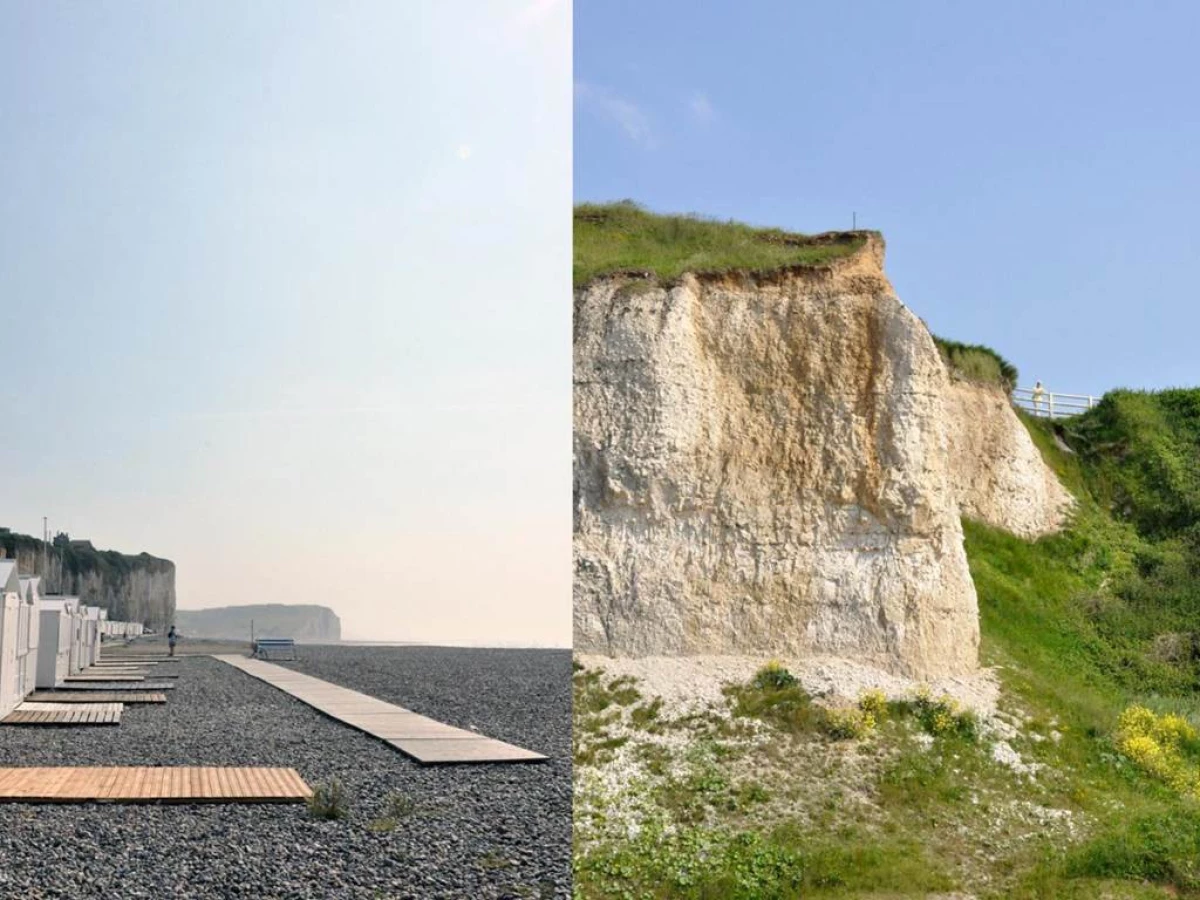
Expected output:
(854, 221)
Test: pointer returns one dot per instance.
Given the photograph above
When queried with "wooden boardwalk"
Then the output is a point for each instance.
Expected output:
(34, 713)
(101, 696)
(144, 673)
(152, 784)
(105, 685)
(93, 677)
(425, 740)
(137, 660)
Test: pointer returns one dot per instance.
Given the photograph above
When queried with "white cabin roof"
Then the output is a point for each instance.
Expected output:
(10, 582)
(60, 601)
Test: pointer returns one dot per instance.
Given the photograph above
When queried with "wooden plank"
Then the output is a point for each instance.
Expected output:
(80, 783)
(106, 782)
(264, 783)
(424, 739)
(47, 782)
(124, 785)
(161, 789)
(69, 714)
(206, 782)
(273, 781)
(150, 784)
(247, 783)
(148, 686)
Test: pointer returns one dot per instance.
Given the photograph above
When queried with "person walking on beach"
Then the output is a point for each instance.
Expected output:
(1038, 391)
(171, 639)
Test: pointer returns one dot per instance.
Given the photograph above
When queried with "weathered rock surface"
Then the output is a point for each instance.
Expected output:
(762, 466)
(998, 473)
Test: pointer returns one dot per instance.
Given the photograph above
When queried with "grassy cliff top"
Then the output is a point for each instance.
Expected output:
(621, 237)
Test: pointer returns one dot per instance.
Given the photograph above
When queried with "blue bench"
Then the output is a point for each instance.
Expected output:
(264, 647)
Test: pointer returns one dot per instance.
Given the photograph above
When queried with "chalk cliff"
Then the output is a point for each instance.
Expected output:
(132, 588)
(761, 465)
(998, 473)
(772, 463)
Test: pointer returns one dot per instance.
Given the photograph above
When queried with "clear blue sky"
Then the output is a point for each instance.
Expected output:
(1034, 167)
(284, 291)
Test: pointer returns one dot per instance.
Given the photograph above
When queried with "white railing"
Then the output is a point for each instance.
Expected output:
(1052, 405)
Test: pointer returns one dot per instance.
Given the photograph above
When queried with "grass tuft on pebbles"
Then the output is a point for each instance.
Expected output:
(329, 801)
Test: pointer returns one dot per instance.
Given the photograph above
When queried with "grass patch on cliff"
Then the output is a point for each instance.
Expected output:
(977, 363)
(624, 237)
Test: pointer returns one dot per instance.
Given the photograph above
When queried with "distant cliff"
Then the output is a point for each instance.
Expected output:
(137, 588)
(302, 622)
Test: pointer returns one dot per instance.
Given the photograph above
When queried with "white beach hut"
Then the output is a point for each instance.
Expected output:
(54, 641)
(10, 610)
(28, 633)
(93, 616)
(75, 629)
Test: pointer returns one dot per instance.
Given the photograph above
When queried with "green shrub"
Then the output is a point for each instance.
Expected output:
(773, 677)
(329, 801)
(847, 724)
(941, 715)
(1160, 745)
(873, 703)
(774, 696)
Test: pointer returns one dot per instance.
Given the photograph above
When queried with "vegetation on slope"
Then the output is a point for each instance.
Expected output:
(975, 362)
(1096, 635)
(1101, 618)
(623, 237)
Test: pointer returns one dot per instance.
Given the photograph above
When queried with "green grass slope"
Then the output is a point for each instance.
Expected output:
(1101, 617)
(622, 237)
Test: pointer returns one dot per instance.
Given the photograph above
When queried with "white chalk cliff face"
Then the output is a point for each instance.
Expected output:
(762, 465)
(998, 473)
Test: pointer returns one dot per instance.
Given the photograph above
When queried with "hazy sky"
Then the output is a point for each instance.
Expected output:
(1033, 166)
(285, 292)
